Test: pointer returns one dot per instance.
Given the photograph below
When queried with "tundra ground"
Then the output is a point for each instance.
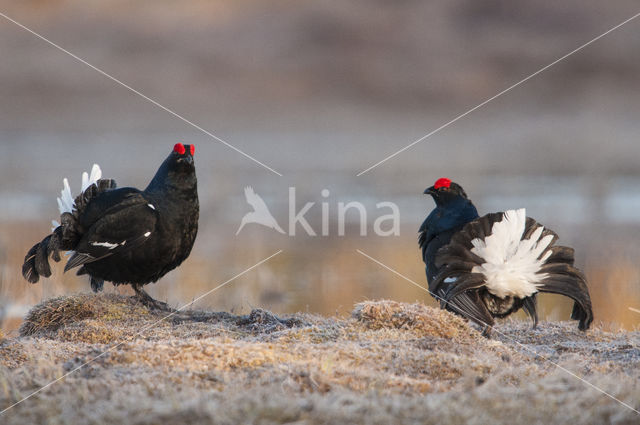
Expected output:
(388, 363)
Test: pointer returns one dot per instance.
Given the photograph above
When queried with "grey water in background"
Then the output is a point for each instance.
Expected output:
(321, 91)
(32, 169)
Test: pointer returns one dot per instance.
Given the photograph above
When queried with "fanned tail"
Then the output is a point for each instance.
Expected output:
(66, 234)
(511, 257)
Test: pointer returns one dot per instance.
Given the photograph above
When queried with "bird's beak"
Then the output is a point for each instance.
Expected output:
(429, 191)
(187, 158)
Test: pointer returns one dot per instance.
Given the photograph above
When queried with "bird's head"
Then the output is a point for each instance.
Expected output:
(178, 170)
(182, 157)
(444, 190)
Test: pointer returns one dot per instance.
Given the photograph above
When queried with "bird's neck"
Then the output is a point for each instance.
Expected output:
(458, 211)
(168, 182)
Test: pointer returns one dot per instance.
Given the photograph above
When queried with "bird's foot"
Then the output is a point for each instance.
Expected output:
(151, 303)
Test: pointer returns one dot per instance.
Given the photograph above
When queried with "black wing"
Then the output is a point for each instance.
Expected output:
(123, 226)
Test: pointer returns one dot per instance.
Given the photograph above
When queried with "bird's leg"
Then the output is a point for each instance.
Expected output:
(148, 301)
(96, 284)
(487, 331)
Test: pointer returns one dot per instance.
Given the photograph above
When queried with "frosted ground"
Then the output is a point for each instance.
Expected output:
(388, 363)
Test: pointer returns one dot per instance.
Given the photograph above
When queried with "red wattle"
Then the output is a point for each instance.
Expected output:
(442, 182)
(179, 148)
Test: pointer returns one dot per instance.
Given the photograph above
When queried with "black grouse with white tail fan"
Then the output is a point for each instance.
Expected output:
(491, 266)
(125, 235)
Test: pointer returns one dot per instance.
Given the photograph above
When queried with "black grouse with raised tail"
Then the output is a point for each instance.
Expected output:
(491, 266)
(125, 235)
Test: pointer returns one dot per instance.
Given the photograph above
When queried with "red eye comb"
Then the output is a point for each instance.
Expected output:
(179, 148)
(442, 182)
(193, 149)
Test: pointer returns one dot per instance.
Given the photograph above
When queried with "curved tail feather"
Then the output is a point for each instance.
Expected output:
(36, 262)
(574, 287)
(469, 304)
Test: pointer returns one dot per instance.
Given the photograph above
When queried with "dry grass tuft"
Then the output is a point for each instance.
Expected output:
(51, 315)
(413, 317)
(55, 313)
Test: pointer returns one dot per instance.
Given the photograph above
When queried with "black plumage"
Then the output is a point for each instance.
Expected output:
(490, 267)
(125, 235)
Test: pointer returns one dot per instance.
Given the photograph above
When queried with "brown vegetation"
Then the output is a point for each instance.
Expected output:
(389, 363)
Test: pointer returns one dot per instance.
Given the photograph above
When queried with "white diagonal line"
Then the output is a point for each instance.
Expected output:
(505, 336)
(147, 98)
(442, 127)
(635, 310)
(141, 331)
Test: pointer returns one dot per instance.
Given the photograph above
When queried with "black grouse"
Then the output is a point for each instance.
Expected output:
(125, 235)
(491, 266)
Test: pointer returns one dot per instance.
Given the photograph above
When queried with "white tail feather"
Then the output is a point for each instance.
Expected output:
(65, 201)
(85, 181)
(511, 263)
(88, 180)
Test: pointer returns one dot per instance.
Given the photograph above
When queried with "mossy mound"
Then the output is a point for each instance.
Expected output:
(50, 316)
(424, 320)
(102, 318)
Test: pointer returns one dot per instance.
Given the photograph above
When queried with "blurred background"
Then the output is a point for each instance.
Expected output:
(321, 91)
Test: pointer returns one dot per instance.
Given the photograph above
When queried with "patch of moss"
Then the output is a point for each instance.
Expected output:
(416, 317)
